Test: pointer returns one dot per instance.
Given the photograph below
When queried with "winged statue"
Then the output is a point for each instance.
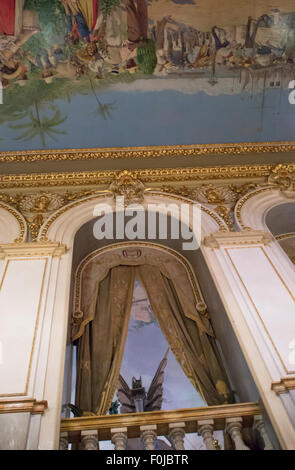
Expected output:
(137, 399)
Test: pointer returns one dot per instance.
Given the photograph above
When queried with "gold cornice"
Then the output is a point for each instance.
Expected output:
(148, 175)
(246, 237)
(23, 405)
(10, 250)
(285, 384)
(148, 151)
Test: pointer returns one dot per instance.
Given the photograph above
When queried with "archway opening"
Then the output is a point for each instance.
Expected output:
(281, 222)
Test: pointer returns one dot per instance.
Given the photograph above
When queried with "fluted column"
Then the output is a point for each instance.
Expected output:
(205, 429)
(63, 441)
(259, 425)
(119, 438)
(177, 435)
(234, 428)
(89, 440)
(149, 435)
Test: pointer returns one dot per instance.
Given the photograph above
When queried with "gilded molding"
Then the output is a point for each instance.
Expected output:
(244, 199)
(23, 405)
(246, 237)
(148, 152)
(283, 236)
(20, 219)
(157, 175)
(42, 237)
(40, 208)
(285, 384)
(11, 250)
(283, 176)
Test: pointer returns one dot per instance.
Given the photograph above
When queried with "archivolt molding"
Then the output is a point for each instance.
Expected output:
(13, 226)
(49, 228)
(251, 209)
(284, 236)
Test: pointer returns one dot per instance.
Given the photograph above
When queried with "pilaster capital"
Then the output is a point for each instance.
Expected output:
(245, 237)
(23, 405)
(54, 249)
(284, 386)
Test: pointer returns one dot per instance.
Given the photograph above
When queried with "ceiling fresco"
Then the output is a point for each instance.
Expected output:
(127, 73)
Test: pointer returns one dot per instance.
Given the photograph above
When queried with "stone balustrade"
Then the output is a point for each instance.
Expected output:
(87, 432)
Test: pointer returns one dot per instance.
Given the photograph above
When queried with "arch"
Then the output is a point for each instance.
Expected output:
(13, 227)
(64, 223)
(62, 227)
(251, 210)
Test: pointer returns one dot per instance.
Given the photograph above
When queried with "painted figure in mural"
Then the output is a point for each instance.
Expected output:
(17, 26)
(137, 32)
(81, 18)
(90, 42)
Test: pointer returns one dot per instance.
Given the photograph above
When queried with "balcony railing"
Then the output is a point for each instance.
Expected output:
(86, 432)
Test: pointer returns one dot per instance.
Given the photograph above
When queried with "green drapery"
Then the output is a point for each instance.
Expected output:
(101, 345)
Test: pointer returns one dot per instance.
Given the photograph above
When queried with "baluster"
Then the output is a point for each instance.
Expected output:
(119, 438)
(89, 440)
(149, 435)
(63, 441)
(234, 428)
(177, 435)
(259, 425)
(205, 429)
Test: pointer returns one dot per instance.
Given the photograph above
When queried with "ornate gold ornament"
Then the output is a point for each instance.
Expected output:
(226, 214)
(127, 185)
(37, 207)
(220, 199)
(148, 152)
(283, 176)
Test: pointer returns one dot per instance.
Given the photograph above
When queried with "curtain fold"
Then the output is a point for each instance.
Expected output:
(194, 349)
(101, 346)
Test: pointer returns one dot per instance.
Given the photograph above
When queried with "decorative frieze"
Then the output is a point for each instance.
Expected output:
(222, 199)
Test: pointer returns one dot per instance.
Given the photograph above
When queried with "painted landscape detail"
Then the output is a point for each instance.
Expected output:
(111, 73)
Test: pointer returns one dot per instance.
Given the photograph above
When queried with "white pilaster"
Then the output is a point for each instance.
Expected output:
(259, 299)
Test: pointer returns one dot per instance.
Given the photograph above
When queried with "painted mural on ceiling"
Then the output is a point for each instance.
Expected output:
(117, 73)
